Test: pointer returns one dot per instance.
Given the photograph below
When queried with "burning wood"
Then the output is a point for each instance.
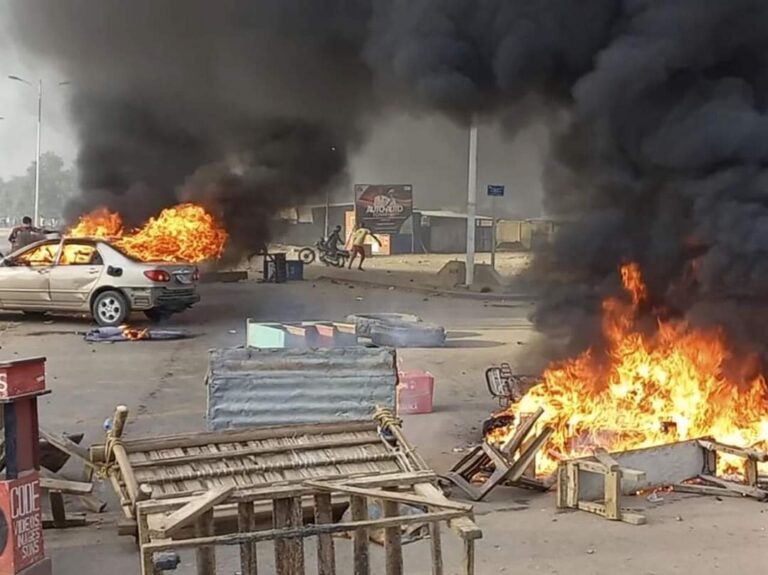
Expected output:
(183, 233)
(645, 389)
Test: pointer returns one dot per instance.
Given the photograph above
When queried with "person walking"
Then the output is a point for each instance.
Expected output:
(359, 236)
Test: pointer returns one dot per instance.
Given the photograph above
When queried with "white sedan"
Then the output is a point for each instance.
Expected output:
(93, 276)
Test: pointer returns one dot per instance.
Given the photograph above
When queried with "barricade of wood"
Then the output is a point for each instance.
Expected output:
(184, 523)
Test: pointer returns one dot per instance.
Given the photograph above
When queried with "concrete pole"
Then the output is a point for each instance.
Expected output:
(37, 162)
(327, 208)
(471, 204)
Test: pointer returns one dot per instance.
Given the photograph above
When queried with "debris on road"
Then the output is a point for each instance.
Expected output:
(124, 333)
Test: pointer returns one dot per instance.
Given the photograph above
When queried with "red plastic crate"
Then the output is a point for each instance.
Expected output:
(415, 392)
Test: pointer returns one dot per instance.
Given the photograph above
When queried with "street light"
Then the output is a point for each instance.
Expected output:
(39, 131)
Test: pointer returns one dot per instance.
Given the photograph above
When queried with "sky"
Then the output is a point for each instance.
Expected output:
(18, 107)
(428, 152)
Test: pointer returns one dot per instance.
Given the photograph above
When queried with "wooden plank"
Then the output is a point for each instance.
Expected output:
(252, 451)
(64, 486)
(306, 531)
(746, 452)
(246, 523)
(205, 555)
(572, 483)
(704, 490)
(326, 554)
(746, 490)
(608, 462)
(562, 486)
(463, 526)
(592, 467)
(436, 548)
(613, 493)
(525, 428)
(393, 547)
(57, 509)
(750, 472)
(468, 558)
(186, 440)
(289, 553)
(359, 511)
(147, 563)
(63, 443)
(663, 465)
(599, 509)
(389, 495)
(632, 474)
(193, 510)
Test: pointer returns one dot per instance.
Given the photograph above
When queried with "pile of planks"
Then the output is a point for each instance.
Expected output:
(512, 463)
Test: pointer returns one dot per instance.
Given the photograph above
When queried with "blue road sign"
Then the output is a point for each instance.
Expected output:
(496, 191)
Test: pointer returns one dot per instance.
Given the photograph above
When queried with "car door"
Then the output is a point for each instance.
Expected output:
(24, 278)
(75, 274)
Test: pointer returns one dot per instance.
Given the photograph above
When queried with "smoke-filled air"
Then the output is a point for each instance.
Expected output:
(657, 113)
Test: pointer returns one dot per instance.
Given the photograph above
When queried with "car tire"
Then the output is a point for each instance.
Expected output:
(158, 315)
(110, 308)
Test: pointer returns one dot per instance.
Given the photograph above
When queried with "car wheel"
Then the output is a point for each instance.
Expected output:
(158, 315)
(110, 308)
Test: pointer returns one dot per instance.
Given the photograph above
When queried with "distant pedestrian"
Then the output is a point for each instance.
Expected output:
(359, 236)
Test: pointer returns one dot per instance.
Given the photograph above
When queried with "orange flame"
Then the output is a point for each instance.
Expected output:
(186, 232)
(647, 389)
(134, 334)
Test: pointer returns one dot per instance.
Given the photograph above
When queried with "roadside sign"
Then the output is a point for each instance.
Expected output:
(496, 191)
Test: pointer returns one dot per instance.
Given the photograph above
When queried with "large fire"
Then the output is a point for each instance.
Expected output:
(183, 233)
(647, 389)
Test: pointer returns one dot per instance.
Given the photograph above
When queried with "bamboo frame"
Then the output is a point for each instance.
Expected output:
(288, 531)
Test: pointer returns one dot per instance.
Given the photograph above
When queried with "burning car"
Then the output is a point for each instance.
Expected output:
(93, 275)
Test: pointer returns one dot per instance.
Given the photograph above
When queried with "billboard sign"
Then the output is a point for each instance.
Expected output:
(383, 209)
(496, 191)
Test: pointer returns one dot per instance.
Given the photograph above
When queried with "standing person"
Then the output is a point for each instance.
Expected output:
(359, 236)
(334, 241)
(24, 234)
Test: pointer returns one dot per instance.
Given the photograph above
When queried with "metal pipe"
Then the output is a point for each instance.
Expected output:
(471, 204)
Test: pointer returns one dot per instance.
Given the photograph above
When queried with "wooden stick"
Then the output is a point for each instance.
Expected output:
(746, 452)
(704, 490)
(205, 555)
(119, 420)
(185, 440)
(306, 531)
(468, 559)
(463, 526)
(359, 509)
(193, 510)
(243, 452)
(266, 467)
(393, 550)
(289, 553)
(745, 490)
(63, 443)
(613, 493)
(388, 495)
(64, 486)
(525, 427)
(326, 555)
(436, 545)
(57, 509)
(245, 523)
(750, 472)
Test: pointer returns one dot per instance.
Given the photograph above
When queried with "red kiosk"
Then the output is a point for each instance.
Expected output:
(21, 520)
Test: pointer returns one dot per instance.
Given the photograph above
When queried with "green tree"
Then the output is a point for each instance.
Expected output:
(58, 184)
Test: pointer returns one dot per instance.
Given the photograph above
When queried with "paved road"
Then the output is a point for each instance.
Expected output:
(162, 383)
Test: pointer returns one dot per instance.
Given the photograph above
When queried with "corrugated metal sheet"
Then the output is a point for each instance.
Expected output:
(258, 387)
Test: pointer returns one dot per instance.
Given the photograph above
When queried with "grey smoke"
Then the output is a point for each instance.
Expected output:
(657, 111)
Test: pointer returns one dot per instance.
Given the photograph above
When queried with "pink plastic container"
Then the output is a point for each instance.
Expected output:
(415, 392)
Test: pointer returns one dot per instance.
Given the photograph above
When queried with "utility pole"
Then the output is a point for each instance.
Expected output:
(37, 161)
(471, 204)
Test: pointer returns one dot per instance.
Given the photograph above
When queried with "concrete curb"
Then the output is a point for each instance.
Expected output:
(495, 296)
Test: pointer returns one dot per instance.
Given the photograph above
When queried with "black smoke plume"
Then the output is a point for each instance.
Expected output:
(657, 110)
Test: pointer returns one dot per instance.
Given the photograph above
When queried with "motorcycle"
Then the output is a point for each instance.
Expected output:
(336, 258)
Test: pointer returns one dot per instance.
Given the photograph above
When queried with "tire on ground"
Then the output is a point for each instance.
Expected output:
(110, 308)
(365, 321)
(406, 334)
